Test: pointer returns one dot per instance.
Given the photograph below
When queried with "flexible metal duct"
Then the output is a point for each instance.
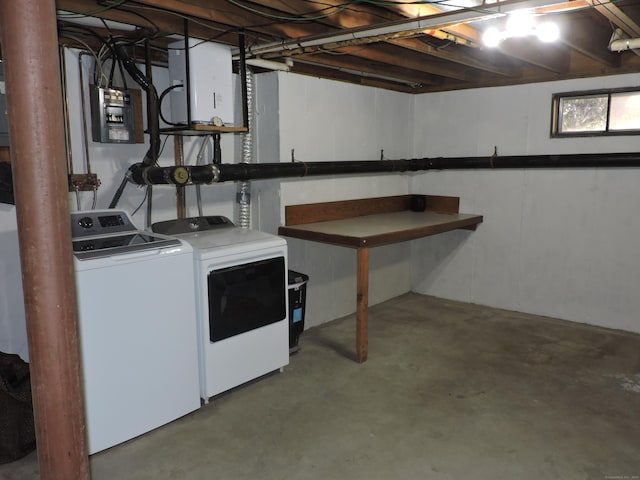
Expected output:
(243, 195)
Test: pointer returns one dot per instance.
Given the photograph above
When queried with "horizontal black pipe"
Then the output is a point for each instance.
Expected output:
(260, 171)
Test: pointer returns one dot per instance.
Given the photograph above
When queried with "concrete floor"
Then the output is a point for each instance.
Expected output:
(450, 391)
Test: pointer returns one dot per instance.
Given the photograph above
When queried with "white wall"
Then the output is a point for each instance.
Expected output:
(561, 243)
(324, 120)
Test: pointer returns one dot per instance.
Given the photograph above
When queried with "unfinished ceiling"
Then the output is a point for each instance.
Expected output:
(407, 46)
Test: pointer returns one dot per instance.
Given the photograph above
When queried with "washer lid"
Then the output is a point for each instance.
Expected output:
(108, 246)
(105, 233)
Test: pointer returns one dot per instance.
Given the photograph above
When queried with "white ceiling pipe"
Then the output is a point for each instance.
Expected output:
(269, 64)
(619, 43)
(414, 25)
(624, 44)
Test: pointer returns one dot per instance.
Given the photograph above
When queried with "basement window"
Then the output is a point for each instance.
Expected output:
(596, 113)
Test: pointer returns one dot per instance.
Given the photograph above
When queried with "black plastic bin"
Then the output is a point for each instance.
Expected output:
(297, 283)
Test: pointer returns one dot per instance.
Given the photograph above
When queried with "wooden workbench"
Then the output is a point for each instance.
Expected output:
(372, 222)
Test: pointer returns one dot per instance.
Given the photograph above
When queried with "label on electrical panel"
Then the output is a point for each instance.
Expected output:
(118, 134)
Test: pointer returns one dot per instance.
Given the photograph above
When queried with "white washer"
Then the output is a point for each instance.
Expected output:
(137, 325)
(241, 288)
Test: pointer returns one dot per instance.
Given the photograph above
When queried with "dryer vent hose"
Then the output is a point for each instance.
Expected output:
(243, 195)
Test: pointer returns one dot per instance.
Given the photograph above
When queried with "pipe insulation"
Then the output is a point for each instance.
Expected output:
(243, 195)
(260, 171)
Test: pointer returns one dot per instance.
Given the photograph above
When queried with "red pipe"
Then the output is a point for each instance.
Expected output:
(34, 99)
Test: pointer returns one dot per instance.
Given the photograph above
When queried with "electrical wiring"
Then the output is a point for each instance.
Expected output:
(90, 51)
(339, 8)
(146, 190)
(144, 199)
(162, 95)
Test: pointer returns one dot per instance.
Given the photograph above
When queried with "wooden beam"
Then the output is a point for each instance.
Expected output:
(458, 55)
(544, 55)
(361, 15)
(167, 22)
(616, 16)
(411, 9)
(581, 34)
(343, 76)
(358, 66)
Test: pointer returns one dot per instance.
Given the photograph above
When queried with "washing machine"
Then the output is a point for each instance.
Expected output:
(137, 327)
(241, 290)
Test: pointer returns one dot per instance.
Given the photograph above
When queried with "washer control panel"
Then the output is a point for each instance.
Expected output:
(100, 222)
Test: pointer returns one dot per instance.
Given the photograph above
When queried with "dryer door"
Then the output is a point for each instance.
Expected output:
(245, 297)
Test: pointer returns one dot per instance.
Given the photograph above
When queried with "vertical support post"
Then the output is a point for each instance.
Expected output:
(187, 67)
(178, 153)
(34, 99)
(362, 305)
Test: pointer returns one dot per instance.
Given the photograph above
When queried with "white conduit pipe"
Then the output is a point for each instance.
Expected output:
(243, 195)
(623, 44)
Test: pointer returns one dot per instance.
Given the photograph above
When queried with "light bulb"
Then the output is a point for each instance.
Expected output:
(548, 32)
(519, 24)
(491, 37)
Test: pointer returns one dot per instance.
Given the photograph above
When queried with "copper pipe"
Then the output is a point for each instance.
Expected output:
(34, 100)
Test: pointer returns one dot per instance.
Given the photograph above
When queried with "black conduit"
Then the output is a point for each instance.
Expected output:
(259, 171)
(153, 121)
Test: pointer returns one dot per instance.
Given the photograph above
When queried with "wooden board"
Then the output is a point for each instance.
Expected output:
(326, 211)
(381, 229)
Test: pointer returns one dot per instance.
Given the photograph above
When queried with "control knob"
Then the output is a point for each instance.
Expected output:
(86, 222)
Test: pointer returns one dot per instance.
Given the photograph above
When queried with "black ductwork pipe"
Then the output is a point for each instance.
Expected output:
(260, 171)
(153, 119)
(153, 122)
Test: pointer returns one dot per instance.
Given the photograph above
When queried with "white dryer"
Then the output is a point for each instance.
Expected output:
(137, 325)
(241, 287)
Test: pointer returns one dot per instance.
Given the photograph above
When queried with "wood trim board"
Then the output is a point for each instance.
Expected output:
(326, 211)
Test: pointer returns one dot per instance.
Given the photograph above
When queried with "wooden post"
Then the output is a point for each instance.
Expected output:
(34, 100)
(362, 305)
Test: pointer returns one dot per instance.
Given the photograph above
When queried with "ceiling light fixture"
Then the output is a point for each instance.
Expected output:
(521, 24)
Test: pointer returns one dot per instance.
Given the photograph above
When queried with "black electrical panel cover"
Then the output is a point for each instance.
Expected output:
(112, 115)
(4, 121)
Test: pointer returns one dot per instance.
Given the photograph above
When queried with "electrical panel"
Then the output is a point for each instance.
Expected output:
(112, 115)
(210, 82)
(4, 119)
